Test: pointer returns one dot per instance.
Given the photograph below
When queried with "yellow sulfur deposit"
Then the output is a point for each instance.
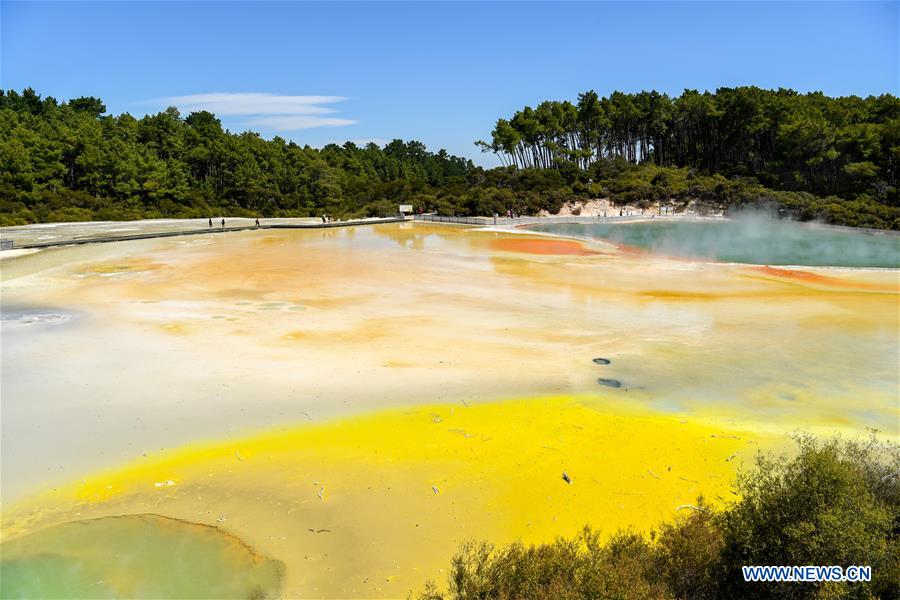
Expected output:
(375, 505)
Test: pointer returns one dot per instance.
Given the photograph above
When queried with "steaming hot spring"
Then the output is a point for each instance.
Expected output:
(330, 413)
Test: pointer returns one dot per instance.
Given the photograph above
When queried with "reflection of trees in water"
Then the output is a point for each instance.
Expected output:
(417, 236)
(330, 233)
(405, 235)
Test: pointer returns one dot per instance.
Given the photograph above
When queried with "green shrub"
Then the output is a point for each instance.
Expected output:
(567, 569)
(834, 502)
(687, 554)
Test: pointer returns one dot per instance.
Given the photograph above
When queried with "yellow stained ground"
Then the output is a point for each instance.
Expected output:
(276, 382)
(375, 505)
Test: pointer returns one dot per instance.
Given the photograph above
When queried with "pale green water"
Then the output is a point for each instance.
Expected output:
(139, 556)
(752, 240)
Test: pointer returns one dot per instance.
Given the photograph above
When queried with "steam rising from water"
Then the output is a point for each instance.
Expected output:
(750, 238)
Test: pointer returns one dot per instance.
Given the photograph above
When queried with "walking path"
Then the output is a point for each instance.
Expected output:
(47, 235)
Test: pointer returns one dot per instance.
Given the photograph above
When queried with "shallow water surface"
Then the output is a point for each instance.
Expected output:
(357, 402)
(138, 556)
(752, 241)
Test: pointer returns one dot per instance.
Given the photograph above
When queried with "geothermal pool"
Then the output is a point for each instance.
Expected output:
(751, 240)
(330, 413)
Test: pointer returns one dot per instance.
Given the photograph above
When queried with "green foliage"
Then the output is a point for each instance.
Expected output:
(686, 555)
(568, 569)
(833, 503)
(847, 146)
(802, 155)
(65, 161)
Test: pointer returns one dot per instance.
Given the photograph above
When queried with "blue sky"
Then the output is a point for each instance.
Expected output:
(441, 73)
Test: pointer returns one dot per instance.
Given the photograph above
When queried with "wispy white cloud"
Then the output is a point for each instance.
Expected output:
(293, 122)
(271, 111)
(253, 104)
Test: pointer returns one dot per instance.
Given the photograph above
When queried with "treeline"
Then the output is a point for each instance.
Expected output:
(66, 161)
(834, 503)
(847, 146)
(70, 161)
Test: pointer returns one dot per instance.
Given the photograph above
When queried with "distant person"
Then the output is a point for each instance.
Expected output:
(257, 221)
(323, 219)
(210, 222)
(223, 223)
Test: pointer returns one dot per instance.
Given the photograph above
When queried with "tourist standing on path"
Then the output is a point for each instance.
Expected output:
(210, 222)
(223, 223)
(257, 221)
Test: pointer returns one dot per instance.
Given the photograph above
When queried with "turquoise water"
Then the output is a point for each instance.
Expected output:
(138, 556)
(753, 241)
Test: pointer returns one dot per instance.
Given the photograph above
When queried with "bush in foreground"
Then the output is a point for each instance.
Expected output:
(834, 503)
